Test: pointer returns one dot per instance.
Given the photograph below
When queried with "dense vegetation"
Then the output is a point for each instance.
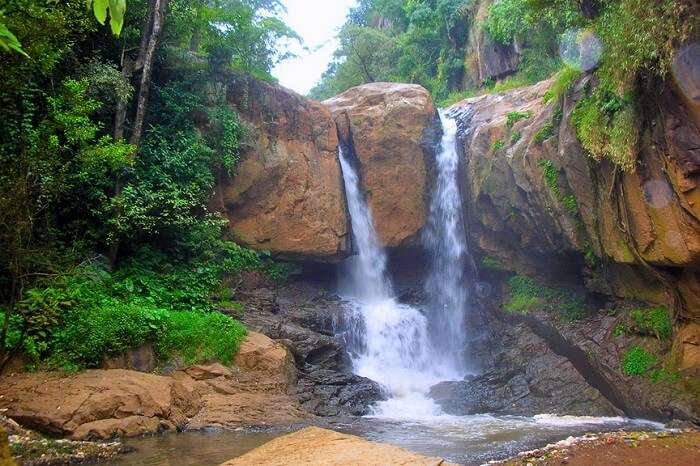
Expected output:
(106, 241)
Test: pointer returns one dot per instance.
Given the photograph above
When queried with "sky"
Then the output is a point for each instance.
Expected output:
(317, 22)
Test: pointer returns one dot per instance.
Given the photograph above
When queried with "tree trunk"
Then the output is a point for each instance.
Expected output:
(148, 53)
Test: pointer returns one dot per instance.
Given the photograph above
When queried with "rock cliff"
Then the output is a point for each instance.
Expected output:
(286, 195)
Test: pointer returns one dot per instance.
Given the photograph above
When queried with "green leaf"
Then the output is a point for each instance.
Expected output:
(99, 7)
(8, 41)
(117, 9)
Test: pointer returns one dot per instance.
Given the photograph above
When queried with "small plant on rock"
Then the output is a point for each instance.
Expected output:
(637, 361)
(497, 145)
(652, 321)
(514, 117)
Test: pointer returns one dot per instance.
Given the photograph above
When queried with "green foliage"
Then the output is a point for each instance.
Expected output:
(8, 41)
(513, 117)
(497, 145)
(79, 318)
(637, 361)
(515, 137)
(455, 97)
(489, 262)
(606, 125)
(200, 336)
(570, 204)
(525, 295)
(619, 330)
(652, 321)
(641, 35)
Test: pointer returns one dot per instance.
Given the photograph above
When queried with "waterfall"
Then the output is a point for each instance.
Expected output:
(445, 239)
(407, 351)
(389, 342)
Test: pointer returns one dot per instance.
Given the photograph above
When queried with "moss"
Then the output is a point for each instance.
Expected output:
(637, 361)
(488, 262)
(514, 117)
(652, 321)
(570, 204)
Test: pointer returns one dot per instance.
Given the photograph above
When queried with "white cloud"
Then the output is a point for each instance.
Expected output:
(317, 22)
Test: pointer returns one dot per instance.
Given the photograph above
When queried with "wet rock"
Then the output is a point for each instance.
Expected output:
(141, 359)
(526, 378)
(304, 319)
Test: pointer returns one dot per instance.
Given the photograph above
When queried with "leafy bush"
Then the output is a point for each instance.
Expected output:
(652, 321)
(200, 336)
(637, 361)
(78, 319)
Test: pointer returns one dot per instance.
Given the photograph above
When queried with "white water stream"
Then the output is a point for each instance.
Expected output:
(395, 344)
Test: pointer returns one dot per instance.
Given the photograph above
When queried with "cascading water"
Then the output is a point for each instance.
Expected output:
(394, 343)
(445, 239)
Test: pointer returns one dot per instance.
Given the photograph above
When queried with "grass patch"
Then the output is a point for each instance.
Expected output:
(455, 97)
(606, 125)
(544, 133)
(525, 295)
(551, 176)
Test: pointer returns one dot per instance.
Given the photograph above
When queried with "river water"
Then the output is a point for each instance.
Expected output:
(405, 349)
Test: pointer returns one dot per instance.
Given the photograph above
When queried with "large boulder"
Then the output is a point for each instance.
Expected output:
(286, 195)
(391, 131)
(314, 446)
(101, 404)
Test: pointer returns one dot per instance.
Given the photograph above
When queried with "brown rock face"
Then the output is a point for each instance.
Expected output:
(314, 446)
(286, 195)
(390, 128)
(640, 224)
(100, 404)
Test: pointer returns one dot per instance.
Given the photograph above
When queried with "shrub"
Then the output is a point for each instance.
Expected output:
(551, 176)
(637, 361)
(524, 293)
(652, 321)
